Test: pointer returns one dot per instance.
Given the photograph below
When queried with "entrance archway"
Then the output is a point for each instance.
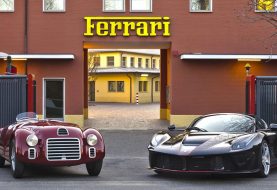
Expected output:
(165, 55)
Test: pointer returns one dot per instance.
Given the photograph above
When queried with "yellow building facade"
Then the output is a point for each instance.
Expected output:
(123, 76)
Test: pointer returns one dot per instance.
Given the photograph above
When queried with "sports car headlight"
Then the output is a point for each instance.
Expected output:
(158, 138)
(239, 145)
(243, 142)
(32, 140)
(92, 140)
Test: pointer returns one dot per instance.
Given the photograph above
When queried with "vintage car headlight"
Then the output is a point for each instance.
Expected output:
(242, 143)
(32, 140)
(92, 139)
(158, 138)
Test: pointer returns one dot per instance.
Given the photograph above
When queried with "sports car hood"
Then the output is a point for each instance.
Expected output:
(199, 143)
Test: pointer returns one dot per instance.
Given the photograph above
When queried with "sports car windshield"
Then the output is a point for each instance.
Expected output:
(225, 123)
(26, 116)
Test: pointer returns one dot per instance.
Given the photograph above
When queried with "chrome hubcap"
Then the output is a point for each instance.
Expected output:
(13, 158)
(265, 158)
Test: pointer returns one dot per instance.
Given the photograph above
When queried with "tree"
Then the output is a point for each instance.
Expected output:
(93, 63)
(262, 11)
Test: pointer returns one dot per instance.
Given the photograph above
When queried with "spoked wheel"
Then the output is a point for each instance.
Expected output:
(16, 166)
(2, 162)
(264, 160)
(94, 168)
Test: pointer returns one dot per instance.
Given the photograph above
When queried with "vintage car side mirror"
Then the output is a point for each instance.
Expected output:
(171, 127)
(273, 126)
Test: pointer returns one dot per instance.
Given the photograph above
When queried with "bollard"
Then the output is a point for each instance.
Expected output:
(137, 98)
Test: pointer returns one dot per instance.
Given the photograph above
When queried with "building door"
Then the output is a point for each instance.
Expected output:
(54, 99)
(92, 90)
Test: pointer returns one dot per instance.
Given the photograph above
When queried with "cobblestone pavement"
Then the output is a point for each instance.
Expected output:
(122, 116)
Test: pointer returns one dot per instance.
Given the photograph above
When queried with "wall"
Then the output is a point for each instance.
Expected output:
(101, 89)
(197, 87)
(103, 95)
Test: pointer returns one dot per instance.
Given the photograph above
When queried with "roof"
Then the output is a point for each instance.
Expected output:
(242, 57)
(127, 70)
(38, 56)
(153, 52)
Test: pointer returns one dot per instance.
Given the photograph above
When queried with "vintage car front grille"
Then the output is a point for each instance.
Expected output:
(92, 152)
(63, 149)
(62, 132)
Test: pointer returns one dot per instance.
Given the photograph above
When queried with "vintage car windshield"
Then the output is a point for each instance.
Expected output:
(225, 123)
(26, 116)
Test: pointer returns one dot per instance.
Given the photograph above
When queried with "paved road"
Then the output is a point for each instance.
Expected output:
(125, 116)
(125, 167)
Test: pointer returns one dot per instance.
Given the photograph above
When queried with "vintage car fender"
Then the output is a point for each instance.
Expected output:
(100, 146)
(20, 136)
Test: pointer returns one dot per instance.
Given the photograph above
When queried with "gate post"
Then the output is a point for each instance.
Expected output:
(250, 94)
(30, 94)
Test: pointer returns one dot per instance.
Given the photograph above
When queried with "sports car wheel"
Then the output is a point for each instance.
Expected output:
(264, 160)
(2, 162)
(16, 166)
(94, 168)
(159, 172)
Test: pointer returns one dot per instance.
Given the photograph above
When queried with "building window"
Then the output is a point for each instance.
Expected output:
(157, 86)
(112, 86)
(96, 61)
(6, 5)
(141, 5)
(54, 97)
(132, 62)
(110, 61)
(200, 5)
(154, 64)
(147, 63)
(113, 5)
(123, 63)
(116, 86)
(139, 62)
(266, 5)
(54, 5)
(120, 86)
(143, 86)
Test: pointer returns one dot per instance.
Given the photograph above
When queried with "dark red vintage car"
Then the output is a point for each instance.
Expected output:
(32, 141)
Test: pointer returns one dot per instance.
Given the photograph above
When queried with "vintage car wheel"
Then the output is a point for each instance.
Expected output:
(94, 168)
(16, 166)
(264, 160)
(2, 161)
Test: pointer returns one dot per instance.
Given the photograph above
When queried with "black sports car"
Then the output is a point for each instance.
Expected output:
(216, 143)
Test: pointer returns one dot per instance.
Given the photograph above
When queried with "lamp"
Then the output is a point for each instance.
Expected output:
(247, 68)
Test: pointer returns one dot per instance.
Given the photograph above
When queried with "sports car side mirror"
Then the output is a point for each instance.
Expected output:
(171, 127)
(273, 126)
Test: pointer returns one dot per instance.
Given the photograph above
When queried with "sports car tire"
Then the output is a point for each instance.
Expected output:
(159, 172)
(17, 167)
(94, 168)
(2, 162)
(264, 160)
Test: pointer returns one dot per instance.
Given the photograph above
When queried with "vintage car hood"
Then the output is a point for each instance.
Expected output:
(199, 143)
(50, 129)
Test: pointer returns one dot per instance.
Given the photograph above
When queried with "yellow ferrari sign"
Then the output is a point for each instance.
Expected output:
(127, 26)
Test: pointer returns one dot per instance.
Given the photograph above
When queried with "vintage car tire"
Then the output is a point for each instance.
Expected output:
(94, 168)
(17, 167)
(2, 161)
(264, 160)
